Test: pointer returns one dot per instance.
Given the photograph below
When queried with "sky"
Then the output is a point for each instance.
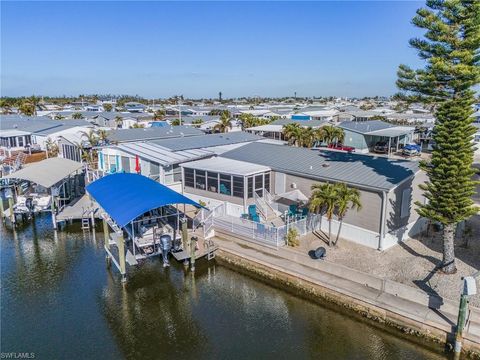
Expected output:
(196, 49)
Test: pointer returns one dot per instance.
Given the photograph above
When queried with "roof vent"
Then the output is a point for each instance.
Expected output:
(311, 167)
(325, 165)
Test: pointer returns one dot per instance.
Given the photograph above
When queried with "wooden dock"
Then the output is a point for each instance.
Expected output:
(79, 209)
(205, 247)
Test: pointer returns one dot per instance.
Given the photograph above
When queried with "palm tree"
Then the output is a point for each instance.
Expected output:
(77, 115)
(293, 133)
(319, 135)
(308, 137)
(175, 122)
(333, 133)
(52, 148)
(348, 198)
(159, 114)
(324, 198)
(59, 117)
(102, 136)
(118, 121)
(224, 123)
(92, 137)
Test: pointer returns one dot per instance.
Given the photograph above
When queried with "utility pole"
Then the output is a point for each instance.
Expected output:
(469, 289)
(180, 110)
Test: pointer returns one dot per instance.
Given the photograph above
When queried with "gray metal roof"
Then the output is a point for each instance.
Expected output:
(376, 173)
(206, 141)
(152, 133)
(37, 124)
(160, 155)
(47, 172)
(307, 123)
(376, 127)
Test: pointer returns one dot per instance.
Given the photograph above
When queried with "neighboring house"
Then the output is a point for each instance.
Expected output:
(134, 107)
(69, 127)
(388, 187)
(274, 130)
(161, 159)
(365, 134)
(19, 131)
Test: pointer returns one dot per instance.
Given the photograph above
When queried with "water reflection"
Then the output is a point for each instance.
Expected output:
(60, 301)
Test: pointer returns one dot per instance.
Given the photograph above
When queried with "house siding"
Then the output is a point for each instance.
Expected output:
(368, 217)
(394, 203)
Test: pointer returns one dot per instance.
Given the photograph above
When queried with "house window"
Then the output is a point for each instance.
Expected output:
(212, 181)
(238, 186)
(200, 181)
(225, 184)
(173, 174)
(189, 177)
(259, 185)
(250, 187)
(405, 209)
(267, 182)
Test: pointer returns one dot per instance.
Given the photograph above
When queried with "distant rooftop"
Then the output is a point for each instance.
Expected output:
(152, 133)
(376, 173)
(206, 141)
(376, 127)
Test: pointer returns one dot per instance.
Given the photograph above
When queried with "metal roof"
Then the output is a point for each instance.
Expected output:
(206, 141)
(47, 172)
(227, 166)
(152, 133)
(158, 154)
(376, 127)
(311, 123)
(268, 128)
(376, 173)
(127, 196)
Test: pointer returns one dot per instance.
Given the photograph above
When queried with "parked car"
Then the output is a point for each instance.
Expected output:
(381, 147)
(341, 147)
(412, 150)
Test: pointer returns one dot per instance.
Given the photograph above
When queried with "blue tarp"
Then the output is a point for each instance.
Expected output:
(126, 196)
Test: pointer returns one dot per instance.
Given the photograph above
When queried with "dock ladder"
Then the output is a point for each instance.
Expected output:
(85, 223)
(209, 244)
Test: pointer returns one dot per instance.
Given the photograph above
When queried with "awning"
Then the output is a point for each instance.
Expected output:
(294, 195)
(47, 172)
(127, 196)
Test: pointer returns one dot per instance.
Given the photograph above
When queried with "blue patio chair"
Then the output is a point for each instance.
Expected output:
(292, 210)
(252, 210)
(224, 190)
(255, 218)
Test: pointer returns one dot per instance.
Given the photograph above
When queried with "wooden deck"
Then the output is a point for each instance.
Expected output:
(79, 209)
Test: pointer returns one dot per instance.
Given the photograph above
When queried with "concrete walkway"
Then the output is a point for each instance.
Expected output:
(398, 303)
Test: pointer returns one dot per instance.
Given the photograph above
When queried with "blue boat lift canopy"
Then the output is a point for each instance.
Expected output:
(126, 196)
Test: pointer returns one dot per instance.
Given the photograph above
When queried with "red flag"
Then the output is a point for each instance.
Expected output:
(137, 164)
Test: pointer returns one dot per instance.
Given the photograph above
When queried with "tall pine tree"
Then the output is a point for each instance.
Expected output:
(450, 49)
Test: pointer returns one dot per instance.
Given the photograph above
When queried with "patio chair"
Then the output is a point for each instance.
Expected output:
(252, 211)
(255, 218)
(292, 210)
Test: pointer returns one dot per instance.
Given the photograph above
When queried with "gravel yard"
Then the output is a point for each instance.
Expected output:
(413, 262)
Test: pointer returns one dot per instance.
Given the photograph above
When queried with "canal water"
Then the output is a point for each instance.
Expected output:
(59, 301)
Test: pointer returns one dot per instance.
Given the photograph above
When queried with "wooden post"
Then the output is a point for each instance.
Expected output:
(2, 209)
(192, 253)
(106, 234)
(53, 209)
(121, 256)
(10, 207)
(184, 234)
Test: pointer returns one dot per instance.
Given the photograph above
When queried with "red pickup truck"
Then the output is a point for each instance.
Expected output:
(339, 146)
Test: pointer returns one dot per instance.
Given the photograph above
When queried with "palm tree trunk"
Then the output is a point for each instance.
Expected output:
(339, 229)
(448, 261)
(329, 232)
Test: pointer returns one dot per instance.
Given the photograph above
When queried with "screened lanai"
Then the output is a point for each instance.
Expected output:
(226, 180)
